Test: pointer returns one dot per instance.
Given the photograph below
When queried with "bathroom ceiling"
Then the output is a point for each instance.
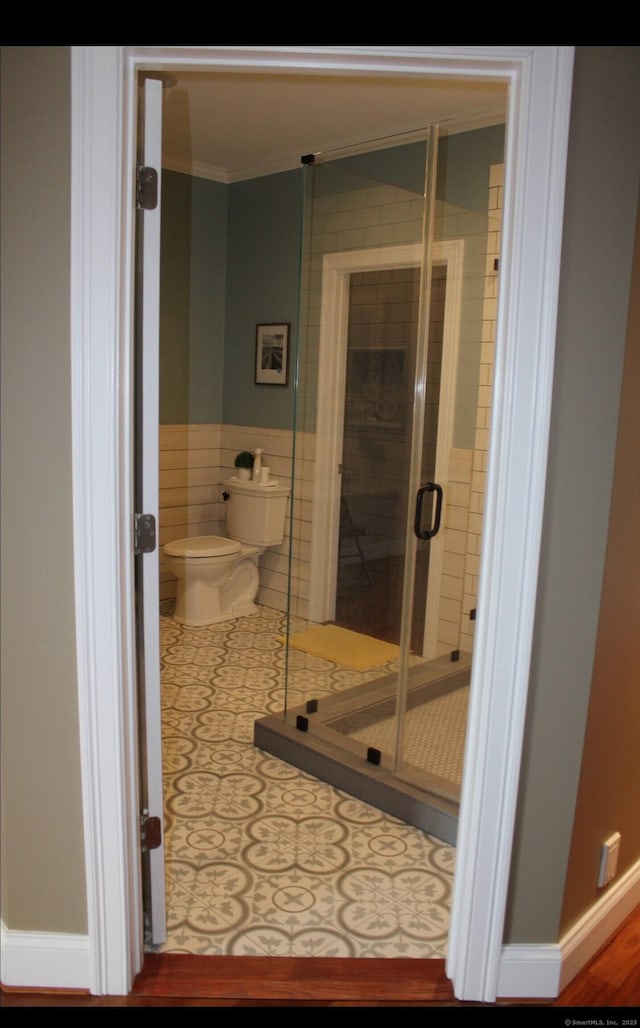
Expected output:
(234, 126)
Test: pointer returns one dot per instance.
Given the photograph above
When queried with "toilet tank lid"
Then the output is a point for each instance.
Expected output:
(202, 546)
(249, 488)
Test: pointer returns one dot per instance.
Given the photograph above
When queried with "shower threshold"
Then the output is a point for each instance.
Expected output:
(316, 737)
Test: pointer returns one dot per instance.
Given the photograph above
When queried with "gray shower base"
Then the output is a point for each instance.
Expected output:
(316, 737)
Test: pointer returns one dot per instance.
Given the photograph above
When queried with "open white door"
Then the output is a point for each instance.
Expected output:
(147, 584)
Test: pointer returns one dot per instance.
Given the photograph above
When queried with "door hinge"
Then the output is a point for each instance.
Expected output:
(144, 533)
(150, 832)
(146, 188)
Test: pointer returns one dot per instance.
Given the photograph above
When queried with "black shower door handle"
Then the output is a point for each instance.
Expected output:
(430, 487)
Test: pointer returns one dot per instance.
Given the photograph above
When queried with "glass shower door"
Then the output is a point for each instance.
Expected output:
(364, 352)
(389, 532)
(382, 340)
(388, 444)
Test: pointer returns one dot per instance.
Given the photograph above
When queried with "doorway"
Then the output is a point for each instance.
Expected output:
(340, 548)
(540, 78)
(369, 564)
(405, 278)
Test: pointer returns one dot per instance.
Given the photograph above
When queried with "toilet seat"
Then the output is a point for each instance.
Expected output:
(203, 546)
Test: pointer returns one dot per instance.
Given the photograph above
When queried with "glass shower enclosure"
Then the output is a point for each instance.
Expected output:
(381, 584)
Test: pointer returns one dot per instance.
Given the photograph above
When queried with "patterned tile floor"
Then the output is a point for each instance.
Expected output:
(261, 858)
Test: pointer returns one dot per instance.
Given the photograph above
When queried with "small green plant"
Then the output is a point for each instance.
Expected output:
(244, 459)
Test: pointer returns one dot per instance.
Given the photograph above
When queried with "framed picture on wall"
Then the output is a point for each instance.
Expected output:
(272, 354)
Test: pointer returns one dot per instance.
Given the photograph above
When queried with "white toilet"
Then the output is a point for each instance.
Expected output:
(217, 577)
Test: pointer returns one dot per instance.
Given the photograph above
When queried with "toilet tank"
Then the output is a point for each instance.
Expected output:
(256, 513)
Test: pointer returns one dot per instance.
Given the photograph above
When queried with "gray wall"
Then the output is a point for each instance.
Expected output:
(42, 836)
(602, 195)
(43, 871)
(609, 789)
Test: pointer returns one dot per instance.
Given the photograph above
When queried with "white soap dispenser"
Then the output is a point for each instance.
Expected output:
(257, 465)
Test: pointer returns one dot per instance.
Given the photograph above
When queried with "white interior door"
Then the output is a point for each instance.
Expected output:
(147, 582)
(337, 270)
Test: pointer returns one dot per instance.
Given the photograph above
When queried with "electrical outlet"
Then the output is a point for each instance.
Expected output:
(609, 859)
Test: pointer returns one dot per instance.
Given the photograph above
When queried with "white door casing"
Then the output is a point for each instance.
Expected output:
(102, 199)
(332, 364)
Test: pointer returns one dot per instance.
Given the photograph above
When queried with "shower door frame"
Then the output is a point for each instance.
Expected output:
(332, 372)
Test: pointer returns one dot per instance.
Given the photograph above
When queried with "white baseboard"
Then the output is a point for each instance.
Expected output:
(44, 960)
(592, 931)
(543, 971)
(529, 971)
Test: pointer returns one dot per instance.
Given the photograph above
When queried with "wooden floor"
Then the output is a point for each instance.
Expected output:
(612, 979)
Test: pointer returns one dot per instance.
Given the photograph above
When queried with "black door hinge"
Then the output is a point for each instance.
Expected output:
(144, 533)
(150, 832)
(146, 188)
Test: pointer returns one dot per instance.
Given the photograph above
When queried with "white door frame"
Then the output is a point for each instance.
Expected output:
(102, 212)
(332, 369)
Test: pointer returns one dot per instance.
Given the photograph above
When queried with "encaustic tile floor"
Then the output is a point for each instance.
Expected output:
(261, 858)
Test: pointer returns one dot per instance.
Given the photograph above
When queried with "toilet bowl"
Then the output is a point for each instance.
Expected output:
(217, 577)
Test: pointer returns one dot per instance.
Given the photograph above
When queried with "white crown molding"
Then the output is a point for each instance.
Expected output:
(194, 169)
(291, 162)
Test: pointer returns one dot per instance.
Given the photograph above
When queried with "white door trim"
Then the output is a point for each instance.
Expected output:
(102, 439)
(332, 359)
(103, 102)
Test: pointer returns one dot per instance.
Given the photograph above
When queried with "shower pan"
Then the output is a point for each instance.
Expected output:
(390, 445)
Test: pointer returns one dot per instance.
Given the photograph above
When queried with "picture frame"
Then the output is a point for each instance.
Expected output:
(272, 353)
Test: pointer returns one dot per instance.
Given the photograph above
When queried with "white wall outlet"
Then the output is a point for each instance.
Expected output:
(609, 859)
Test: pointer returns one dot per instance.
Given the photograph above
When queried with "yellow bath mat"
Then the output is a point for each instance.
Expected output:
(351, 649)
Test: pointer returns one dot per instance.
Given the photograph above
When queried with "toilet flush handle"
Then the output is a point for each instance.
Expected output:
(225, 496)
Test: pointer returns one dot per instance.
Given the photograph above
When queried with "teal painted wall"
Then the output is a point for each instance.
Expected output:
(265, 230)
(400, 166)
(231, 260)
(193, 283)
